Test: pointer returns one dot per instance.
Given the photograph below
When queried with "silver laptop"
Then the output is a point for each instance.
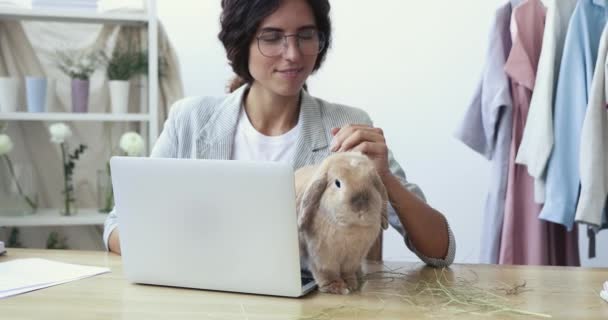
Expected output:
(209, 224)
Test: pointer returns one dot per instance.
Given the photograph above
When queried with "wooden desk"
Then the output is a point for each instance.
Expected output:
(563, 293)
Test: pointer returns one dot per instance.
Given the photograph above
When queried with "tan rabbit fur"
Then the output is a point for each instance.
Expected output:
(341, 205)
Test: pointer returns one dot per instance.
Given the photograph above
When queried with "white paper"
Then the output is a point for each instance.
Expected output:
(24, 275)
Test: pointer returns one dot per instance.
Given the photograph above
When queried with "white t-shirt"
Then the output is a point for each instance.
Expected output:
(249, 144)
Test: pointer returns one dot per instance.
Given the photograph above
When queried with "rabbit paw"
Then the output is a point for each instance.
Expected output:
(335, 287)
(352, 284)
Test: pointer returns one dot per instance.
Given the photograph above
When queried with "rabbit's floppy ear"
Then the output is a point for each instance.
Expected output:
(309, 202)
(379, 185)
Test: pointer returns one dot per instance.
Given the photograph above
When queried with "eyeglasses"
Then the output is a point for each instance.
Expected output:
(272, 43)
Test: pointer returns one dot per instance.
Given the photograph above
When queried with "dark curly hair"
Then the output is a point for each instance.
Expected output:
(240, 20)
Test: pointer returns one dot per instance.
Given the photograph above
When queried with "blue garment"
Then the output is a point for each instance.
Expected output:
(573, 87)
(487, 128)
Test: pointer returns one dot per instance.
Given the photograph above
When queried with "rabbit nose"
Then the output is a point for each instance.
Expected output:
(359, 201)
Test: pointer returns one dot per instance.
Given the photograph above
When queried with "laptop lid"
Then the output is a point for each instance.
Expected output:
(208, 224)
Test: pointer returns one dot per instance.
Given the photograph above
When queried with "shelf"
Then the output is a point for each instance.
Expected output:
(73, 16)
(51, 217)
(67, 116)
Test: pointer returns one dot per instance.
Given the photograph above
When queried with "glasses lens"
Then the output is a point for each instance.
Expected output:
(310, 42)
(270, 43)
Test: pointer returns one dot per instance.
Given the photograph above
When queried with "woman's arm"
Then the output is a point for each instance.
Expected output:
(114, 242)
(110, 232)
(425, 228)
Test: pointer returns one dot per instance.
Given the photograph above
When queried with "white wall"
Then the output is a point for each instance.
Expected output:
(412, 65)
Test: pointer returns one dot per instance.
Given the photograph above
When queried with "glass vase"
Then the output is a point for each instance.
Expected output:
(18, 191)
(105, 194)
(68, 198)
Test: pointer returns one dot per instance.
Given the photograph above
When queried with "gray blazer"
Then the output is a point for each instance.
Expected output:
(204, 127)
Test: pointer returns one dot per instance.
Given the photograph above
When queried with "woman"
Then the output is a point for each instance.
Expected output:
(273, 46)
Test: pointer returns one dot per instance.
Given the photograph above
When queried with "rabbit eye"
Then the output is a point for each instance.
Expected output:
(338, 184)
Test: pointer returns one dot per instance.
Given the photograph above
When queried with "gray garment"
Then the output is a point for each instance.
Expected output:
(486, 128)
(204, 127)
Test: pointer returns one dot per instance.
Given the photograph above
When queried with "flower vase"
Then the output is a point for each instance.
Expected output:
(69, 203)
(36, 90)
(68, 192)
(51, 95)
(80, 95)
(105, 194)
(18, 192)
(119, 96)
(9, 94)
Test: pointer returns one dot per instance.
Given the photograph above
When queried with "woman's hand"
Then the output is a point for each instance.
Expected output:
(365, 139)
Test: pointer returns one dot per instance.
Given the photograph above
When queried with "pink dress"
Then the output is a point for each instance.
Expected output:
(525, 238)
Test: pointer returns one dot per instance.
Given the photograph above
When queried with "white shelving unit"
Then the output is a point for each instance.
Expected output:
(73, 16)
(51, 217)
(149, 18)
(66, 116)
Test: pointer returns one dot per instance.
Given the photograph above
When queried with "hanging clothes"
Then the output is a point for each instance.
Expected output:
(573, 88)
(526, 239)
(594, 153)
(594, 146)
(486, 128)
(537, 141)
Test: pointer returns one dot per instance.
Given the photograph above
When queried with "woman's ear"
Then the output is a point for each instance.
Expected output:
(309, 202)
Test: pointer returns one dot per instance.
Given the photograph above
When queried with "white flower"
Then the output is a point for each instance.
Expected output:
(132, 143)
(74, 69)
(59, 132)
(6, 145)
(86, 63)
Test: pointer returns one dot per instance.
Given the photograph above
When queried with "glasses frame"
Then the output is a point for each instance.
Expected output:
(285, 44)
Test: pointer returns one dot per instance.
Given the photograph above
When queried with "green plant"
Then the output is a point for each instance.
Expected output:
(13, 239)
(125, 64)
(162, 65)
(68, 172)
(80, 64)
(59, 134)
(56, 242)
